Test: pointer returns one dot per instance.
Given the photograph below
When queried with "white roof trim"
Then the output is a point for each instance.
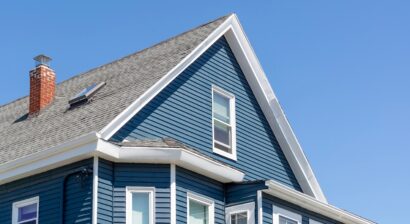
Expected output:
(256, 77)
(178, 156)
(91, 145)
(312, 204)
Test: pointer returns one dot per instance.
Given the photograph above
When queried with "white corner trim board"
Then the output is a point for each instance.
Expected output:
(249, 63)
(95, 190)
(173, 192)
(305, 201)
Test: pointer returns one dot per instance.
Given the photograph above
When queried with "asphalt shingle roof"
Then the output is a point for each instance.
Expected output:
(126, 79)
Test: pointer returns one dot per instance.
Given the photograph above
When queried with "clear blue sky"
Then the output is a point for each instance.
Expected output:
(340, 69)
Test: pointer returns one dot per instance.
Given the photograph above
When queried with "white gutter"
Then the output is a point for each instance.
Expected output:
(178, 156)
(312, 204)
(91, 145)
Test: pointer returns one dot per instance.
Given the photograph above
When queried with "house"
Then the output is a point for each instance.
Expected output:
(186, 131)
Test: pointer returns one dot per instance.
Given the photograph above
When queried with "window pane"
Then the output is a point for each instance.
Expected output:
(140, 208)
(198, 213)
(283, 220)
(221, 108)
(222, 133)
(239, 218)
(27, 212)
(29, 222)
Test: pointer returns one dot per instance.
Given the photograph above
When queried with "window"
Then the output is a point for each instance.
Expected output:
(241, 214)
(26, 211)
(311, 221)
(283, 216)
(200, 210)
(223, 123)
(140, 205)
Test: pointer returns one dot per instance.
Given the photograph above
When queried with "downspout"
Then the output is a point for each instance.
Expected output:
(84, 172)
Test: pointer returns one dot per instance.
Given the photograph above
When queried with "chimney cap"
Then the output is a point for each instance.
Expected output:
(42, 60)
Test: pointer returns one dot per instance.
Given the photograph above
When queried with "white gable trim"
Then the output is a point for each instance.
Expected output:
(256, 77)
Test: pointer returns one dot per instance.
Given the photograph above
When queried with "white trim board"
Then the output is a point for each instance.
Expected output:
(305, 201)
(249, 63)
(91, 145)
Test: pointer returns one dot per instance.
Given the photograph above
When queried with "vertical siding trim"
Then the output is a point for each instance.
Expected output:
(260, 211)
(95, 190)
(173, 192)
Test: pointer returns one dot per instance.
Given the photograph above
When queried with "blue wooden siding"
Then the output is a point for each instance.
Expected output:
(114, 177)
(240, 193)
(188, 181)
(182, 111)
(268, 201)
(105, 192)
(48, 186)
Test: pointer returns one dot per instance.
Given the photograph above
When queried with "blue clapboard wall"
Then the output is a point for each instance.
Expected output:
(50, 187)
(115, 177)
(188, 181)
(182, 111)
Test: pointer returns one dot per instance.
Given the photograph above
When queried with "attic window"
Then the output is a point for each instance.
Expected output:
(85, 94)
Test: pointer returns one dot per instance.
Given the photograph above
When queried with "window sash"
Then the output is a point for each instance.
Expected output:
(18, 208)
(199, 200)
(132, 194)
(223, 123)
(233, 212)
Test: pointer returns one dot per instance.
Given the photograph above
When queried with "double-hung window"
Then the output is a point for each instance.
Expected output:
(223, 123)
(283, 216)
(140, 205)
(241, 214)
(26, 211)
(200, 210)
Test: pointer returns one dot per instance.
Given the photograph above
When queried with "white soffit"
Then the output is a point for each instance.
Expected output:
(256, 77)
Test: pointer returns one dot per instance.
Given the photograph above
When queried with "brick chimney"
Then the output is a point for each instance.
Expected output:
(42, 85)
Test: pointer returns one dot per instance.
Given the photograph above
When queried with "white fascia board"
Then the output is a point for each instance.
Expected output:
(74, 150)
(305, 201)
(178, 156)
(91, 145)
(233, 32)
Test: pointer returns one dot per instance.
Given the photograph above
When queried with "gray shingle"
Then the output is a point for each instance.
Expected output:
(126, 79)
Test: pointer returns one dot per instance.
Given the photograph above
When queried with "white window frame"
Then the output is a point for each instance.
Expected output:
(22, 203)
(128, 200)
(278, 211)
(202, 200)
(249, 208)
(311, 221)
(232, 124)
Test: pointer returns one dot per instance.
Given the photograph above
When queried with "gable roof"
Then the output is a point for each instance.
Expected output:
(126, 79)
(133, 81)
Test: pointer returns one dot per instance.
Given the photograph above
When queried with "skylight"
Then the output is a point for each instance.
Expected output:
(85, 94)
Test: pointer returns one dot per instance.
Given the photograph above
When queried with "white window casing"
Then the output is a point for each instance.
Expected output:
(249, 208)
(20, 204)
(128, 198)
(231, 124)
(204, 201)
(281, 212)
